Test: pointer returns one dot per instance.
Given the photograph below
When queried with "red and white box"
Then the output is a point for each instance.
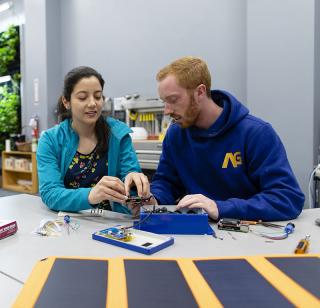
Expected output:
(7, 227)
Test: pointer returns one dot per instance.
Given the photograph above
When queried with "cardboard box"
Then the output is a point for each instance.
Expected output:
(7, 227)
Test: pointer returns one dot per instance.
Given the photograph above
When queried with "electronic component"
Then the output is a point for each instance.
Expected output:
(232, 225)
(289, 228)
(164, 209)
(117, 233)
(137, 200)
(303, 245)
(186, 210)
(275, 234)
(160, 210)
(136, 240)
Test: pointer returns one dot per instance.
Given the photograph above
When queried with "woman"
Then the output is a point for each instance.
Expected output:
(87, 161)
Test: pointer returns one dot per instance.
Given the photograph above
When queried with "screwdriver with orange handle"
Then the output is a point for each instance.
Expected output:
(303, 245)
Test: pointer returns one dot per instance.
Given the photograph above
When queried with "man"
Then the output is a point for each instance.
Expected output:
(217, 156)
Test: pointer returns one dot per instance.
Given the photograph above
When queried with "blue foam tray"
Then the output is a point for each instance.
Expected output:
(173, 223)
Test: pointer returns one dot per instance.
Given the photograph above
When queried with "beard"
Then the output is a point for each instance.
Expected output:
(191, 114)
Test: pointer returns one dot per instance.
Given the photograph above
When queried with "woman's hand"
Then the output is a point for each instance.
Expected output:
(140, 181)
(108, 188)
(199, 201)
(143, 189)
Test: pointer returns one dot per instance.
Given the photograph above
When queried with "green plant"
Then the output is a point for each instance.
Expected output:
(9, 102)
(10, 92)
(9, 44)
(9, 109)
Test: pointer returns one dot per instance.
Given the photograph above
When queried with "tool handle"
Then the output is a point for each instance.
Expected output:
(302, 247)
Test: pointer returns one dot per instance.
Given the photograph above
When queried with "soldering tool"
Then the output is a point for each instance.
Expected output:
(303, 245)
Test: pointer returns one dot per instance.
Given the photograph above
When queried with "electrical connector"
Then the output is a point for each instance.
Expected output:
(317, 173)
(314, 176)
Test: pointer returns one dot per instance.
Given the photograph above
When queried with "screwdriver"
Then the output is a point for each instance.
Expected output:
(260, 222)
(303, 245)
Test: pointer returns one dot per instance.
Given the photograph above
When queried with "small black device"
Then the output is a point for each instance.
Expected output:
(317, 221)
(231, 224)
(186, 210)
(136, 200)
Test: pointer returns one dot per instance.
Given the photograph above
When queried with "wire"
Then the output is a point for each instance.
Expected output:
(16, 279)
(310, 192)
(310, 189)
(147, 217)
(272, 235)
(143, 220)
(288, 229)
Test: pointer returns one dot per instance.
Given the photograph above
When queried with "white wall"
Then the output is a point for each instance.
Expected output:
(316, 84)
(35, 63)
(280, 74)
(54, 67)
(41, 52)
(13, 16)
(129, 41)
(266, 52)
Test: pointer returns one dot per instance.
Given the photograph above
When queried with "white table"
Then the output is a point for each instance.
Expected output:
(10, 288)
(20, 252)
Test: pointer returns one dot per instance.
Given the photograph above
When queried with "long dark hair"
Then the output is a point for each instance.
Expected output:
(102, 130)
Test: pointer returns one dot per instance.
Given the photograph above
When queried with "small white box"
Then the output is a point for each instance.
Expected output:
(8, 145)
(9, 163)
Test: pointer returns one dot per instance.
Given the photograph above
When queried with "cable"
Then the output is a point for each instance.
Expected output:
(278, 235)
(16, 279)
(310, 192)
(146, 218)
(310, 189)
(143, 220)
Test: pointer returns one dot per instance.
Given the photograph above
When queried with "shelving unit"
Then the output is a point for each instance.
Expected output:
(10, 176)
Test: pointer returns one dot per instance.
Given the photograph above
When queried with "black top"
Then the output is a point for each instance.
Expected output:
(86, 170)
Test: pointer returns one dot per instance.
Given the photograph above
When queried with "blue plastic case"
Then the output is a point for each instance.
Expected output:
(142, 241)
(174, 223)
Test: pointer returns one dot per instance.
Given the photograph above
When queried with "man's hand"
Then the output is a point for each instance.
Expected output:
(140, 181)
(199, 201)
(108, 188)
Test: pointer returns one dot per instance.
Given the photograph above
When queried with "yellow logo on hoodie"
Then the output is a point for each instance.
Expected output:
(235, 160)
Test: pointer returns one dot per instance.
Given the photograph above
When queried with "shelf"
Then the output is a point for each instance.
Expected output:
(18, 188)
(17, 153)
(10, 177)
(19, 171)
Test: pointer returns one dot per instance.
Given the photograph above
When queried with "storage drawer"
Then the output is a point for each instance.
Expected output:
(148, 152)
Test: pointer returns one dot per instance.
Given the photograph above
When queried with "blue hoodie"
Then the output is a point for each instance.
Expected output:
(239, 162)
(56, 149)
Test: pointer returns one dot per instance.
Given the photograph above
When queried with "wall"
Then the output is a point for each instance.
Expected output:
(13, 16)
(316, 85)
(35, 64)
(280, 74)
(54, 49)
(129, 41)
(266, 52)
(42, 61)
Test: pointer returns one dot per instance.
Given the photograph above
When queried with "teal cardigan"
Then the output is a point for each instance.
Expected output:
(56, 149)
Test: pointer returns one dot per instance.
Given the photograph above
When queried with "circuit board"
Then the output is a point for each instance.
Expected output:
(119, 233)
